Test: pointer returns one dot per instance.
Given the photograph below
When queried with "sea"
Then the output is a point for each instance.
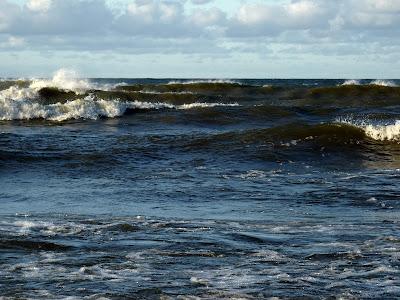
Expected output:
(199, 188)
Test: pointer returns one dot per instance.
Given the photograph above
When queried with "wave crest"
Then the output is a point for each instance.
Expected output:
(378, 82)
(381, 82)
(207, 81)
(63, 79)
(389, 132)
(89, 107)
(351, 82)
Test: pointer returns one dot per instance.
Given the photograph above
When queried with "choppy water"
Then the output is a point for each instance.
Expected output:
(174, 189)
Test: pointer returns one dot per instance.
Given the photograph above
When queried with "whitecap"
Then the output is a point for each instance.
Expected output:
(381, 82)
(390, 132)
(20, 104)
(205, 105)
(351, 82)
(210, 81)
(64, 79)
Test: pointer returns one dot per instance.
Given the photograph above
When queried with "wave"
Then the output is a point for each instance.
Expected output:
(381, 82)
(205, 105)
(63, 79)
(337, 134)
(377, 82)
(390, 132)
(164, 93)
(89, 107)
(207, 81)
(30, 245)
(351, 82)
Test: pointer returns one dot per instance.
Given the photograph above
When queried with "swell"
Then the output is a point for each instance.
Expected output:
(31, 245)
(350, 95)
(298, 137)
(335, 144)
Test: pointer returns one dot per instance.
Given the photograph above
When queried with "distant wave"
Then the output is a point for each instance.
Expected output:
(351, 82)
(163, 93)
(205, 105)
(383, 83)
(378, 82)
(207, 81)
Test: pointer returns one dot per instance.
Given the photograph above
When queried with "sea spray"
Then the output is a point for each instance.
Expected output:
(379, 132)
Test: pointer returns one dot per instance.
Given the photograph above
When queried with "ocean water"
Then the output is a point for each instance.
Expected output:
(199, 189)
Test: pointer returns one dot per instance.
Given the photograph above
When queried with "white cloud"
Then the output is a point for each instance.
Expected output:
(169, 24)
(271, 19)
(12, 42)
(151, 11)
(39, 5)
(208, 17)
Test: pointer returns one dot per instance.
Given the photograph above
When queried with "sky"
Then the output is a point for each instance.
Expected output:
(201, 38)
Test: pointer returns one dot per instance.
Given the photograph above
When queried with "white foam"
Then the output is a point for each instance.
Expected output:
(164, 93)
(253, 174)
(269, 256)
(88, 107)
(15, 93)
(381, 82)
(351, 82)
(389, 132)
(212, 81)
(205, 105)
(384, 132)
(17, 105)
(64, 79)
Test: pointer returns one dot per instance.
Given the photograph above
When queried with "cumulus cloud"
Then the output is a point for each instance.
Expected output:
(96, 25)
(55, 17)
(153, 18)
(268, 19)
(38, 5)
(208, 17)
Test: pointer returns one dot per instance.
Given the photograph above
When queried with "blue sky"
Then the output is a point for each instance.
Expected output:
(201, 38)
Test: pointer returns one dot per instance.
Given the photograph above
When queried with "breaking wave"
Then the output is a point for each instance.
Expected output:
(378, 132)
(351, 82)
(65, 79)
(377, 82)
(383, 83)
(74, 98)
(89, 107)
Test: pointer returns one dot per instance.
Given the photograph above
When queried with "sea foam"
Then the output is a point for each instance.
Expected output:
(351, 82)
(18, 104)
(390, 132)
(64, 79)
(209, 81)
(381, 82)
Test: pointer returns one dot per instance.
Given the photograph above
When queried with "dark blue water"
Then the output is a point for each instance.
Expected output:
(257, 194)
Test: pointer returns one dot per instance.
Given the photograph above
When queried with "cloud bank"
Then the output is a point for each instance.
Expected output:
(204, 27)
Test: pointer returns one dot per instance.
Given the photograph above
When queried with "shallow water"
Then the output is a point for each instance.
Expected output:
(243, 195)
